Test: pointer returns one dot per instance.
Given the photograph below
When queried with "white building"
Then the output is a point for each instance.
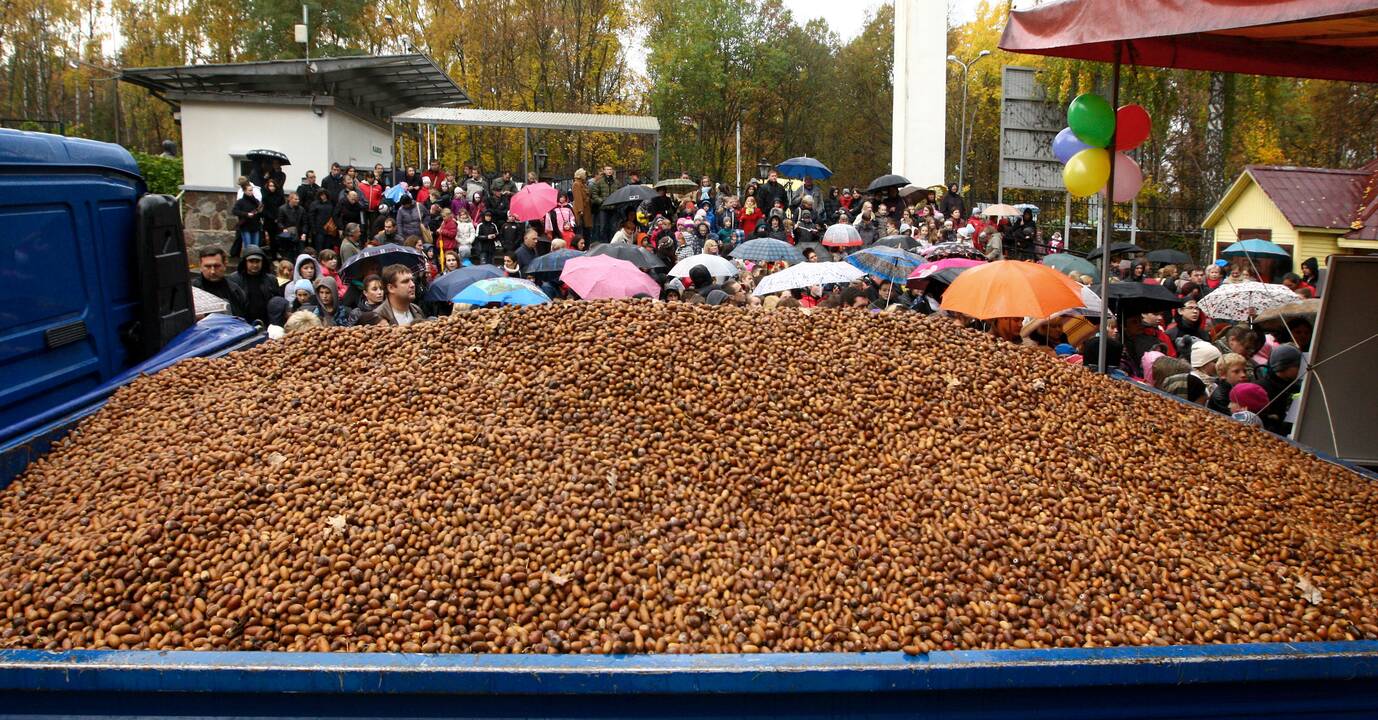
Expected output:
(315, 112)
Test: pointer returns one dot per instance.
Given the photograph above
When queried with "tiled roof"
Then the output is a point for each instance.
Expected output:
(1324, 197)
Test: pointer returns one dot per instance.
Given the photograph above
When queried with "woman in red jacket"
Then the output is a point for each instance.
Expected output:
(749, 217)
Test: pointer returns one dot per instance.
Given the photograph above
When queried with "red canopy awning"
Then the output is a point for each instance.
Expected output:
(1325, 39)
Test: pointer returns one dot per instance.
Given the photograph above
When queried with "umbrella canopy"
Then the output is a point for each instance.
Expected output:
(1010, 288)
(911, 190)
(718, 265)
(673, 184)
(1168, 256)
(205, 303)
(937, 283)
(1119, 248)
(842, 235)
(383, 256)
(804, 168)
(950, 250)
(267, 155)
(1091, 301)
(552, 262)
(504, 290)
(1282, 314)
(929, 268)
(885, 182)
(807, 274)
(1256, 248)
(890, 263)
(1324, 39)
(1001, 210)
(533, 202)
(599, 277)
(1133, 297)
(634, 254)
(452, 283)
(823, 252)
(903, 242)
(768, 250)
(630, 195)
(1069, 263)
(1242, 301)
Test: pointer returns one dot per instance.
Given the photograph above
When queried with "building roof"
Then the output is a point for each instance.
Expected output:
(1325, 198)
(375, 86)
(638, 124)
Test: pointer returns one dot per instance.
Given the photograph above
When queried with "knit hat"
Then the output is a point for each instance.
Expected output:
(1284, 357)
(1065, 349)
(716, 297)
(253, 251)
(1251, 395)
(1203, 354)
(303, 284)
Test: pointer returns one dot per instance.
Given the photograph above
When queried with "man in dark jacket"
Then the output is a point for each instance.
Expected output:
(212, 280)
(1280, 382)
(953, 201)
(334, 182)
(256, 284)
(771, 192)
(397, 308)
(307, 190)
(293, 220)
(605, 220)
(249, 211)
(486, 240)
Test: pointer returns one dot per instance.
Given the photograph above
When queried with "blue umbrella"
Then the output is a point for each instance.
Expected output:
(505, 290)
(551, 262)
(452, 283)
(1257, 248)
(394, 193)
(804, 168)
(768, 250)
(383, 255)
(890, 263)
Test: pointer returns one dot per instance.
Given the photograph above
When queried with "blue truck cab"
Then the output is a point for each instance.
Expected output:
(93, 284)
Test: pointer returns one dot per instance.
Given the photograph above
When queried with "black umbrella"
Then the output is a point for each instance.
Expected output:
(1168, 256)
(902, 242)
(823, 253)
(453, 283)
(267, 155)
(634, 254)
(630, 195)
(885, 182)
(1136, 297)
(381, 257)
(1122, 248)
(551, 263)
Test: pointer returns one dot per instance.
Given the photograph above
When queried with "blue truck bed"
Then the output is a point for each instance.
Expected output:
(1311, 680)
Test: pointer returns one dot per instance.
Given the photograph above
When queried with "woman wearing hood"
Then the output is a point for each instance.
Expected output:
(328, 307)
(303, 295)
(465, 234)
(485, 239)
(408, 217)
(303, 269)
(774, 228)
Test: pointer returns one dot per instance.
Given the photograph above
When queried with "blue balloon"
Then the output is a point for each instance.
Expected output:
(1066, 144)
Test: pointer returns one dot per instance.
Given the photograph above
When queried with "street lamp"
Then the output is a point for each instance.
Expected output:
(962, 131)
(540, 158)
(763, 168)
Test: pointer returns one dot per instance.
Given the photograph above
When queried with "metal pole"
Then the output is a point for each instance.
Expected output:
(305, 20)
(1134, 219)
(393, 159)
(1106, 221)
(1067, 224)
(526, 141)
(115, 101)
(655, 173)
(962, 135)
(738, 186)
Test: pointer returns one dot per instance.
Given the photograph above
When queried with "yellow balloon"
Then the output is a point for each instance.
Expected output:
(1086, 172)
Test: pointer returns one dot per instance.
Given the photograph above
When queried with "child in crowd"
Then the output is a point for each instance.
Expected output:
(1246, 400)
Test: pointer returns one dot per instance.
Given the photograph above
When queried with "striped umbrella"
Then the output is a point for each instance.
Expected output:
(890, 263)
(842, 235)
(768, 250)
(505, 290)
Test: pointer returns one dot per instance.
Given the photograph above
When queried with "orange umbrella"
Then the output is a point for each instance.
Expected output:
(1010, 288)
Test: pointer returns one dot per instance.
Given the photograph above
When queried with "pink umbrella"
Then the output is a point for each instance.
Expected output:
(928, 268)
(597, 277)
(533, 202)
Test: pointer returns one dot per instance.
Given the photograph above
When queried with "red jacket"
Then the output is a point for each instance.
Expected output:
(371, 195)
(748, 222)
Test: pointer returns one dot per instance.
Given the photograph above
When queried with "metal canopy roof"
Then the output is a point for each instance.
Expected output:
(638, 124)
(377, 87)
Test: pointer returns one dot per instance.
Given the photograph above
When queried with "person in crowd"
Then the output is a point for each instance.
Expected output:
(249, 214)
(366, 296)
(408, 217)
(1311, 275)
(307, 190)
(292, 223)
(1247, 400)
(371, 195)
(606, 218)
(388, 234)
(466, 232)
(320, 222)
(583, 210)
(212, 279)
(624, 234)
(750, 217)
(953, 202)
(1280, 384)
(398, 307)
(328, 307)
(303, 269)
(806, 194)
(329, 261)
(528, 251)
(333, 184)
(1233, 370)
(349, 247)
(451, 261)
(435, 173)
(301, 321)
(256, 284)
(350, 210)
(449, 228)
(1244, 341)
(1189, 323)
(774, 228)
(486, 239)
(771, 191)
(273, 200)
(1204, 359)
(303, 295)
(282, 272)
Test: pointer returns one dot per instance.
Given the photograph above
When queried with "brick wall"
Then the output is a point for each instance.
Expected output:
(207, 219)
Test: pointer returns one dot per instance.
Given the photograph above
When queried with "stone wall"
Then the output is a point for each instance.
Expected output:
(207, 219)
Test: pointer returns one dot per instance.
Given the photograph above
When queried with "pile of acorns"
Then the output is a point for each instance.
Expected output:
(635, 477)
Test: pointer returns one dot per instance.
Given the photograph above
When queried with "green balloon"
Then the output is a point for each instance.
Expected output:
(1092, 119)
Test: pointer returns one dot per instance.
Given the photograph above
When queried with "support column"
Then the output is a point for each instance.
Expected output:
(918, 136)
(655, 172)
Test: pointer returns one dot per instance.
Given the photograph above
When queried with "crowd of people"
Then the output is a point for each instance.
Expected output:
(291, 248)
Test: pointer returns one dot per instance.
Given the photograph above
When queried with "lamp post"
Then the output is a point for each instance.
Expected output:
(962, 131)
(763, 168)
(540, 158)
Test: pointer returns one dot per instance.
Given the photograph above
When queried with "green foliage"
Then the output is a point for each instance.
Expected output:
(163, 175)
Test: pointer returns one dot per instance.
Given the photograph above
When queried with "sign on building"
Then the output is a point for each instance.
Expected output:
(1028, 124)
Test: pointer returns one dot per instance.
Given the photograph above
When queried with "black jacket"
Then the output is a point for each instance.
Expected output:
(320, 213)
(292, 217)
(953, 201)
(768, 193)
(333, 185)
(307, 192)
(487, 232)
(225, 290)
(257, 291)
(245, 205)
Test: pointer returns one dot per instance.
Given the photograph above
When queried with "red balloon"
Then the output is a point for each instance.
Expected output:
(1132, 126)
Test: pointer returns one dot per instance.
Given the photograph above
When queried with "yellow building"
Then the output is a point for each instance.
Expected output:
(1311, 212)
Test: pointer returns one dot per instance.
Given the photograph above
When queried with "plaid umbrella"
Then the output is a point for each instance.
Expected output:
(842, 235)
(890, 263)
(1242, 301)
(505, 290)
(768, 250)
(634, 254)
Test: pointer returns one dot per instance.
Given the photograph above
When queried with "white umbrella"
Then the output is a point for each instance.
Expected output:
(1242, 301)
(806, 274)
(842, 235)
(718, 265)
(1091, 299)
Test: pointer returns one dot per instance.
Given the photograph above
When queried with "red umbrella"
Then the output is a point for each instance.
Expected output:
(533, 202)
(1325, 39)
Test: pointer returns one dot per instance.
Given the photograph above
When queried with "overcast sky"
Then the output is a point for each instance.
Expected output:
(845, 18)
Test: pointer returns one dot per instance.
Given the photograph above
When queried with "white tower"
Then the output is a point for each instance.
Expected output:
(918, 137)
